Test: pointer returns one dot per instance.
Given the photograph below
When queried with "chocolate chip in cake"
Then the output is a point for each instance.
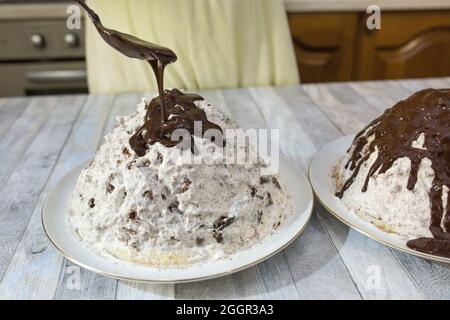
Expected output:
(184, 186)
(132, 215)
(136, 246)
(276, 183)
(217, 235)
(252, 191)
(259, 216)
(223, 222)
(219, 225)
(130, 165)
(263, 180)
(146, 163)
(159, 158)
(269, 200)
(126, 152)
(129, 231)
(148, 194)
(90, 163)
(110, 188)
(199, 241)
(91, 203)
(163, 196)
(173, 207)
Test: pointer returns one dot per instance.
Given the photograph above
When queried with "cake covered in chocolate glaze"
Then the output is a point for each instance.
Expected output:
(397, 171)
(140, 201)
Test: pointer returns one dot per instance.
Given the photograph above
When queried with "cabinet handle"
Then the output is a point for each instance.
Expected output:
(57, 76)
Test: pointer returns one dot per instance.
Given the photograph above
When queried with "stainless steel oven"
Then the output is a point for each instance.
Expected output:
(39, 55)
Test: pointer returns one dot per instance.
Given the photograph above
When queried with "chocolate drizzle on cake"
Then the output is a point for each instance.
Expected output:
(172, 109)
(182, 114)
(425, 112)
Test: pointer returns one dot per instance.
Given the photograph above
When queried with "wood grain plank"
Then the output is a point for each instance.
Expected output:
(275, 273)
(347, 114)
(35, 268)
(223, 288)
(277, 282)
(302, 255)
(419, 84)
(85, 286)
(433, 278)
(16, 141)
(143, 291)
(320, 130)
(316, 114)
(10, 110)
(92, 285)
(124, 104)
(20, 194)
(380, 94)
(359, 253)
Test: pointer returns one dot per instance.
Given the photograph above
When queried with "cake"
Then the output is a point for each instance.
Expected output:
(156, 209)
(162, 189)
(396, 173)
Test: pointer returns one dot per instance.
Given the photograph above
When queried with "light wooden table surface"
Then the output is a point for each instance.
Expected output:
(42, 138)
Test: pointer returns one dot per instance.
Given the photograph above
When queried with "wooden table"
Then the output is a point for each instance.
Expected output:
(42, 138)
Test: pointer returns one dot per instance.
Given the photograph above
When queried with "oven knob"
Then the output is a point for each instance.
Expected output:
(71, 40)
(38, 41)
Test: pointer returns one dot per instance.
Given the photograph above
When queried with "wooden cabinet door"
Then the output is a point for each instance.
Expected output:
(324, 45)
(408, 45)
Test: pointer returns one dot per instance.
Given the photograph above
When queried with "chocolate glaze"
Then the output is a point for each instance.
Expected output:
(182, 113)
(428, 112)
(169, 111)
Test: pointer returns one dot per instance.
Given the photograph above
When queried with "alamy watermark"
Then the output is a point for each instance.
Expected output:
(73, 21)
(231, 147)
(373, 281)
(374, 19)
(73, 278)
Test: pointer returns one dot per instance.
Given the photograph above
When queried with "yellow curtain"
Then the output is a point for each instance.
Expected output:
(219, 43)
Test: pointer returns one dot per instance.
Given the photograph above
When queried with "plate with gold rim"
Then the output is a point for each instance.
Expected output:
(62, 238)
(320, 177)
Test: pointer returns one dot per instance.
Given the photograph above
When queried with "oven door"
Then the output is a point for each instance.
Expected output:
(37, 78)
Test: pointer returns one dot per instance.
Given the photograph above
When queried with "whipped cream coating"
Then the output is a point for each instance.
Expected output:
(158, 210)
(387, 202)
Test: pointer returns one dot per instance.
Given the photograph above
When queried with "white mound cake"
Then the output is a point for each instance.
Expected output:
(158, 210)
(396, 173)
(387, 202)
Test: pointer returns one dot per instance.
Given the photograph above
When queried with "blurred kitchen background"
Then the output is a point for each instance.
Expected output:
(39, 55)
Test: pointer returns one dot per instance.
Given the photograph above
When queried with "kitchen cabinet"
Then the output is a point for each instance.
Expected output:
(324, 45)
(339, 46)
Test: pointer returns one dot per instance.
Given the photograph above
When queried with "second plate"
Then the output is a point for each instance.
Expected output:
(321, 182)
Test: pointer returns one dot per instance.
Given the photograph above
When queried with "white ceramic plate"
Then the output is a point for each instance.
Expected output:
(55, 226)
(320, 177)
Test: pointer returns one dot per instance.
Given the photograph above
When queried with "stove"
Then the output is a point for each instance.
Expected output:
(38, 53)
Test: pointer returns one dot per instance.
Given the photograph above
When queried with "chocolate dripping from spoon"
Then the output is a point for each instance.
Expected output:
(176, 109)
(158, 57)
